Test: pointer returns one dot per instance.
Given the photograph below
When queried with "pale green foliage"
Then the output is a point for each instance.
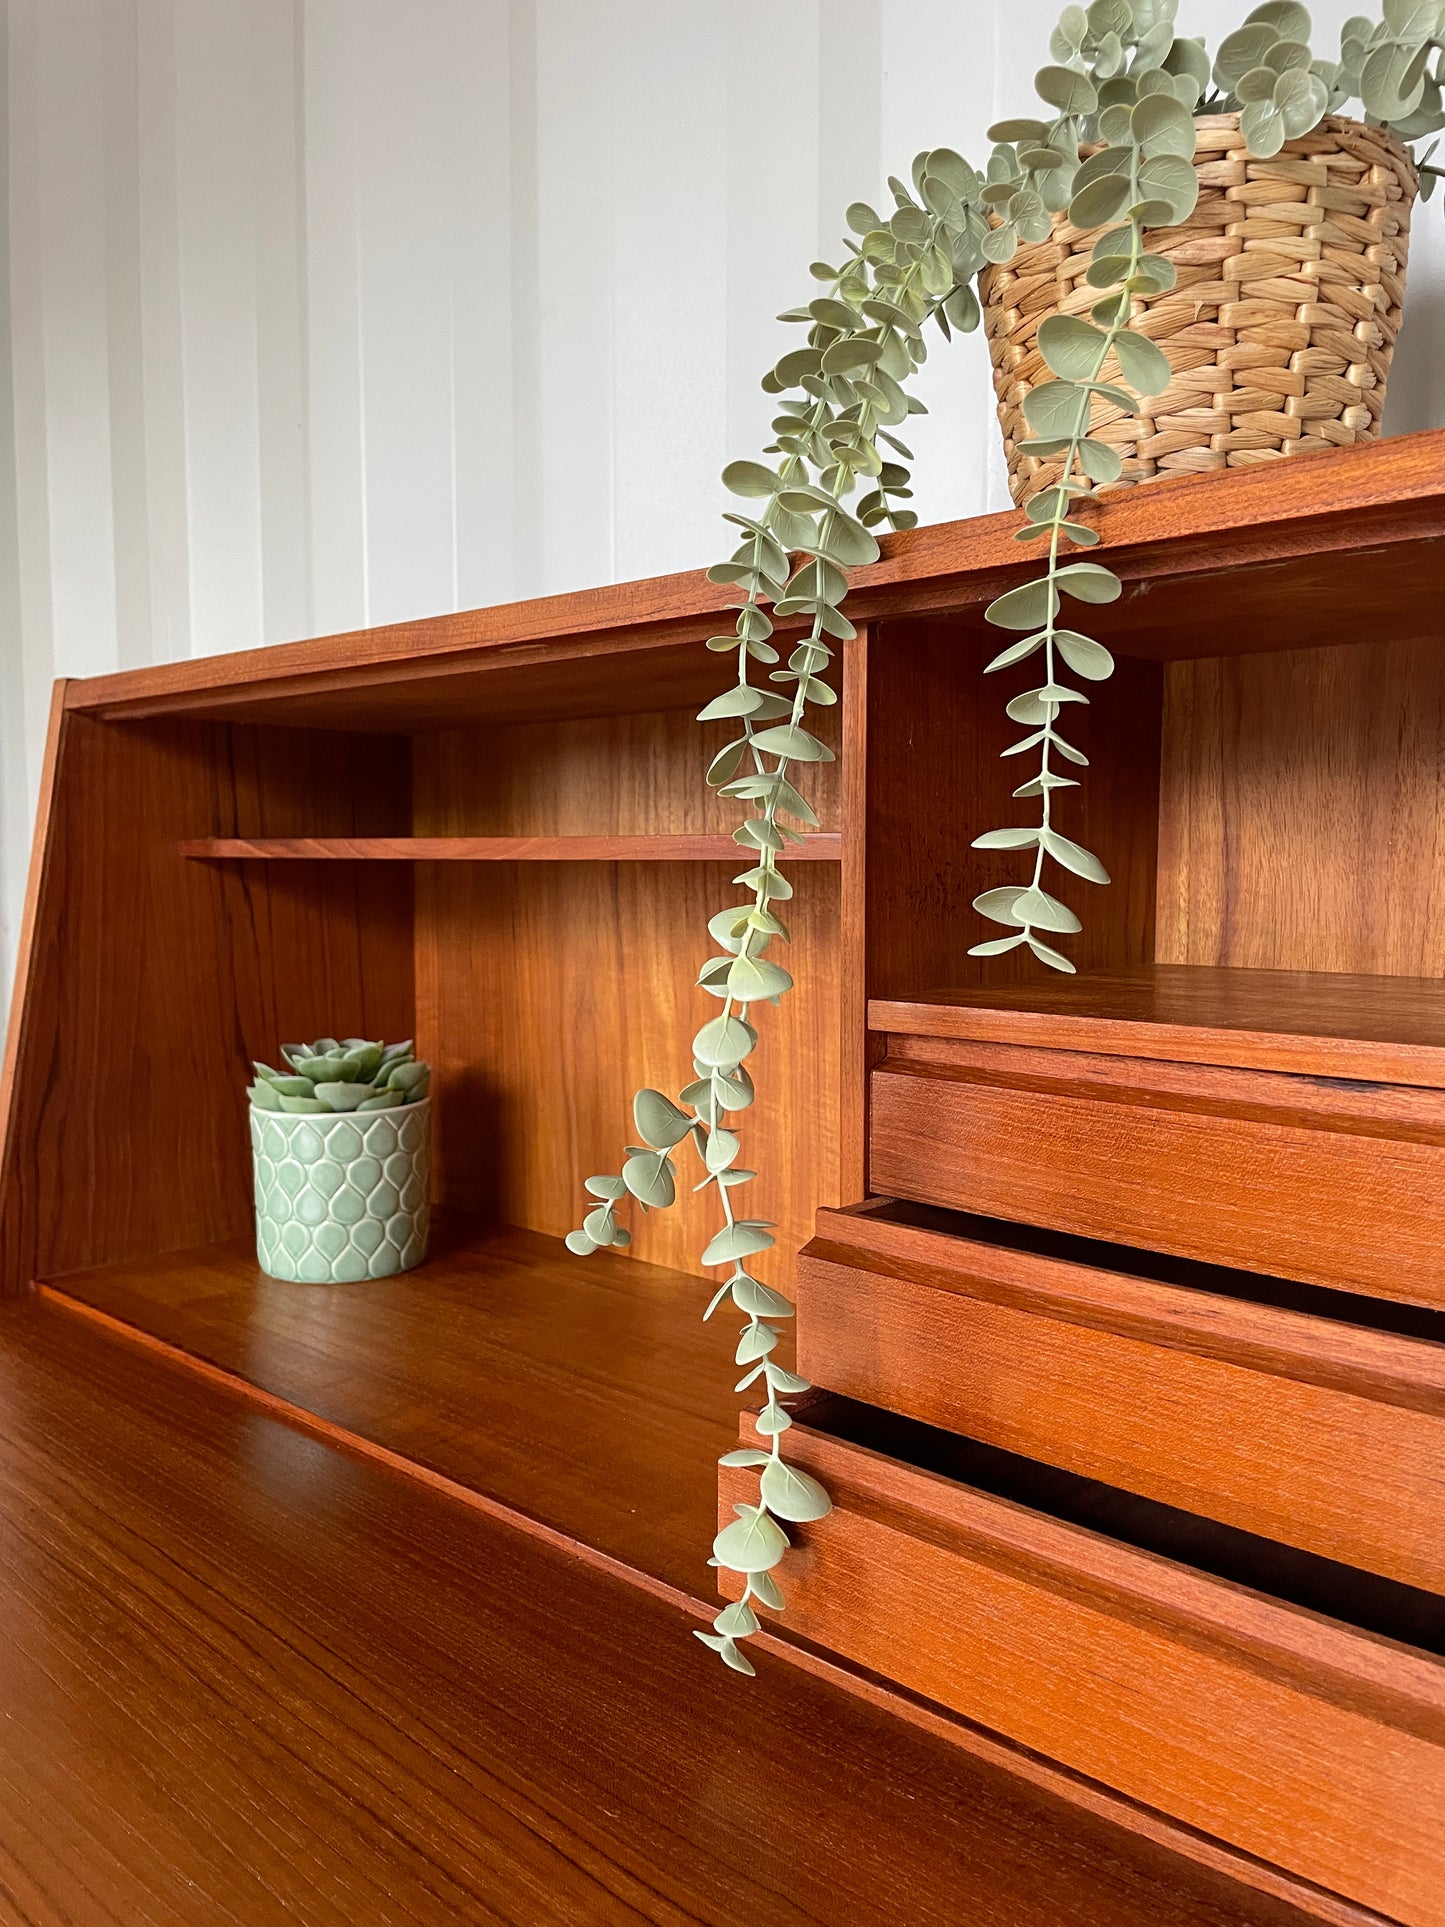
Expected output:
(1123, 85)
(352, 1074)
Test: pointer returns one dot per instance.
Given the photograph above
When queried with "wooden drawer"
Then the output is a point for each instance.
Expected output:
(1320, 1434)
(1316, 1747)
(1335, 1181)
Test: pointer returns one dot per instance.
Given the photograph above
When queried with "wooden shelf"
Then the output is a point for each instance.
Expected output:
(820, 848)
(503, 1364)
(1210, 564)
(1311, 1023)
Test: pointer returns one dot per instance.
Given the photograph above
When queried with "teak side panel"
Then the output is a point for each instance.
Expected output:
(150, 982)
(1241, 1168)
(1213, 1405)
(1317, 1748)
(1303, 813)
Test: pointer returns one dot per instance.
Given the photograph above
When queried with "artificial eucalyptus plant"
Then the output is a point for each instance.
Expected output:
(1114, 150)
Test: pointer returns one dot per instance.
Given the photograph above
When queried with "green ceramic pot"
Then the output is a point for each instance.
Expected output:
(342, 1196)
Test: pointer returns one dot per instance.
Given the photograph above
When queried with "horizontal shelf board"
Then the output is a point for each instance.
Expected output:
(503, 1363)
(1211, 564)
(718, 848)
(1308, 1023)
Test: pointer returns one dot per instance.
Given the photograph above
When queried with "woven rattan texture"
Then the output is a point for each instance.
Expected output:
(1280, 329)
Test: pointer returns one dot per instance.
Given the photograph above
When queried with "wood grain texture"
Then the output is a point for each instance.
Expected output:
(643, 774)
(1337, 1185)
(1250, 557)
(495, 849)
(1303, 813)
(1315, 1434)
(464, 1366)
(546, 996)
(507, 1357)
(250, 1680)
(151, 983)
(1310, 1023)
(1317, 1747)
(936, 734)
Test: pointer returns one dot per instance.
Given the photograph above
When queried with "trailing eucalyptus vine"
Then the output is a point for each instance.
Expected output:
(1115, 153)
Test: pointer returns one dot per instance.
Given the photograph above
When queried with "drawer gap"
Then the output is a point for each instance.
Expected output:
(1161, 1267)
(1361, 1599)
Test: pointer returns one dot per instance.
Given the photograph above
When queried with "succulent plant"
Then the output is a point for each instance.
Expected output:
(352, 1075)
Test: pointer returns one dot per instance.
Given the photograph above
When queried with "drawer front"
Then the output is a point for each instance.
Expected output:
(1319, 1749)
(1238, 1411)
(1246, 1169)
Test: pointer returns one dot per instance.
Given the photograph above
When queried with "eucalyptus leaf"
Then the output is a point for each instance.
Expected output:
(791, 1494)
(1036, 908)
(1099, 201)
(1057, 408)
(736, 1620)
(1083, 655)
(749, 478)
(723, 1042)
(1144, 364)
(1089, 582)
(1070, 92)
(1073, 856)
(1072, 348)
(759, 1300)
(765, 1588)
(659, 1121)
(754, 1542)
(650, 1177)
(741, 1240)
(756, 1342)
(1026, 607)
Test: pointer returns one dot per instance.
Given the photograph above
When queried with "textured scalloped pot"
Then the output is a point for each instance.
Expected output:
(344, 1197)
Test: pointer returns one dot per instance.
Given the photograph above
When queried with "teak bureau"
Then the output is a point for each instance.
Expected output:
(1124, 1293)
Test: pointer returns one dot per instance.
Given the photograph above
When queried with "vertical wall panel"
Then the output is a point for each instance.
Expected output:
(772, 118)
(216, 150)
(584, 83)
(332, 137)
(277, 153)
(161, 485)
(669, 290)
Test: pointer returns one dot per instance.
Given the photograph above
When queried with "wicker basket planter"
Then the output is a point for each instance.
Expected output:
(1280, 329)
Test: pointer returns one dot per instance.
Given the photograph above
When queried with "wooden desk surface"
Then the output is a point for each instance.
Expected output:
(247, 1679)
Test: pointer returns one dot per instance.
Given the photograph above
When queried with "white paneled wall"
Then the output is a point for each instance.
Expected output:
(322, 313)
